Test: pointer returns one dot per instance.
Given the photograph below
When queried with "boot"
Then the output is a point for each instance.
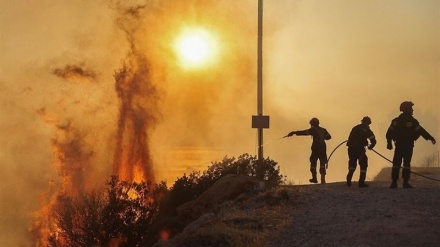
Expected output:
(322, 178)
(393, 184)
(406, 185)
(313, 179)
(349, 176)
(362, 177)
(362, 184)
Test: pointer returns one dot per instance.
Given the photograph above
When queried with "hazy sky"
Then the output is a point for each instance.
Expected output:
(335, 60)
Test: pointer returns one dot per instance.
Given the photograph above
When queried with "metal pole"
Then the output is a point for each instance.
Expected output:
(260, 88)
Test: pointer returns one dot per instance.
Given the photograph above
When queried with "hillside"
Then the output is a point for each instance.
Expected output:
(325, 215)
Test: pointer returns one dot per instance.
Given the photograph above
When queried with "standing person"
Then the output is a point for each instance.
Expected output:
(319, 148)
(403, 131)
(357, 141)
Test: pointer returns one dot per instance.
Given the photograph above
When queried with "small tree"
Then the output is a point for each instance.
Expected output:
(79, 220)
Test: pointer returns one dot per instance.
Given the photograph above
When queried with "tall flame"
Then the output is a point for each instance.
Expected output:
(137, 115)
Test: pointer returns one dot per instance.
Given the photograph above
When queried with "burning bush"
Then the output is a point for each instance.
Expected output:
(134, 214)
(120, 217)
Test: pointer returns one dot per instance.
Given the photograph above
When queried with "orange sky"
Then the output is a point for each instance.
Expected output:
(336, 60)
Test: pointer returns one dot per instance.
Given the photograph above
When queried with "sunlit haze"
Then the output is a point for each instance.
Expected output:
(196, 47)
(156, 89)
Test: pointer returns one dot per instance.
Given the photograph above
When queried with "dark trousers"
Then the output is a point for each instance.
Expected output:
(402, 153)
(321, 154)
(355, 155)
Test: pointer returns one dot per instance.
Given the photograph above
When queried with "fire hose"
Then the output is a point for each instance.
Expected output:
(328, 160)
(418, 174)
(415, 173)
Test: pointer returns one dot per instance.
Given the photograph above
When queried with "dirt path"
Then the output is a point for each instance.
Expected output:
(337, 215)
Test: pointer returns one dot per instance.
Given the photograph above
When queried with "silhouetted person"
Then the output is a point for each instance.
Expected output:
(404, 130)
(360, 137)
(319, 148)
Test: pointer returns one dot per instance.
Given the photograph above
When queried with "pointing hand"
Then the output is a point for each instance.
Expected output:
(291, 133)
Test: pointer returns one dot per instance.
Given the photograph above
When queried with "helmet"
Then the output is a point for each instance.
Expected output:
(366, 120)
(406, 106)
(314, 122)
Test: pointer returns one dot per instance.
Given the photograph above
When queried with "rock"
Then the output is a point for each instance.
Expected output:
(200, 222)
(226, 188)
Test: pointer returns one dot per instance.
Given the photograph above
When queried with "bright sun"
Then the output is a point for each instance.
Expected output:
(196, 48)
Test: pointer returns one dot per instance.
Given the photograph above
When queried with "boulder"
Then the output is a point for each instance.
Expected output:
(226, 188)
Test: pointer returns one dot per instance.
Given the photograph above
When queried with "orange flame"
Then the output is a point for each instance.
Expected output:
(132, 161)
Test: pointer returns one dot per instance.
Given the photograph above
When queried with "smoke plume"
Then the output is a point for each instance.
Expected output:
(75, 73)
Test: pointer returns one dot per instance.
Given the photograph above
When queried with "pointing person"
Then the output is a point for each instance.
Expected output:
(404, 131)
(319, 148)
(358, 139)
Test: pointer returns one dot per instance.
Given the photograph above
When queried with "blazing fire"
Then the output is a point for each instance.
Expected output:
(138, 96)
(71, 162)
(137, 112)
(131, 162)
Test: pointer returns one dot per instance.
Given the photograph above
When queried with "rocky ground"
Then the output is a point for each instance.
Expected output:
(325, 215)
(337, 215)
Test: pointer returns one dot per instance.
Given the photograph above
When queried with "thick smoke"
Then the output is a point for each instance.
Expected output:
(342, 60)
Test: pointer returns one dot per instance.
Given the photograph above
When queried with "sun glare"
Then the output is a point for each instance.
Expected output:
(196, 48)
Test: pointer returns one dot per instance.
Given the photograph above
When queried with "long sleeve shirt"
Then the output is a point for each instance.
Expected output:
(359, 136)
(405, 129)
(319, 135)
